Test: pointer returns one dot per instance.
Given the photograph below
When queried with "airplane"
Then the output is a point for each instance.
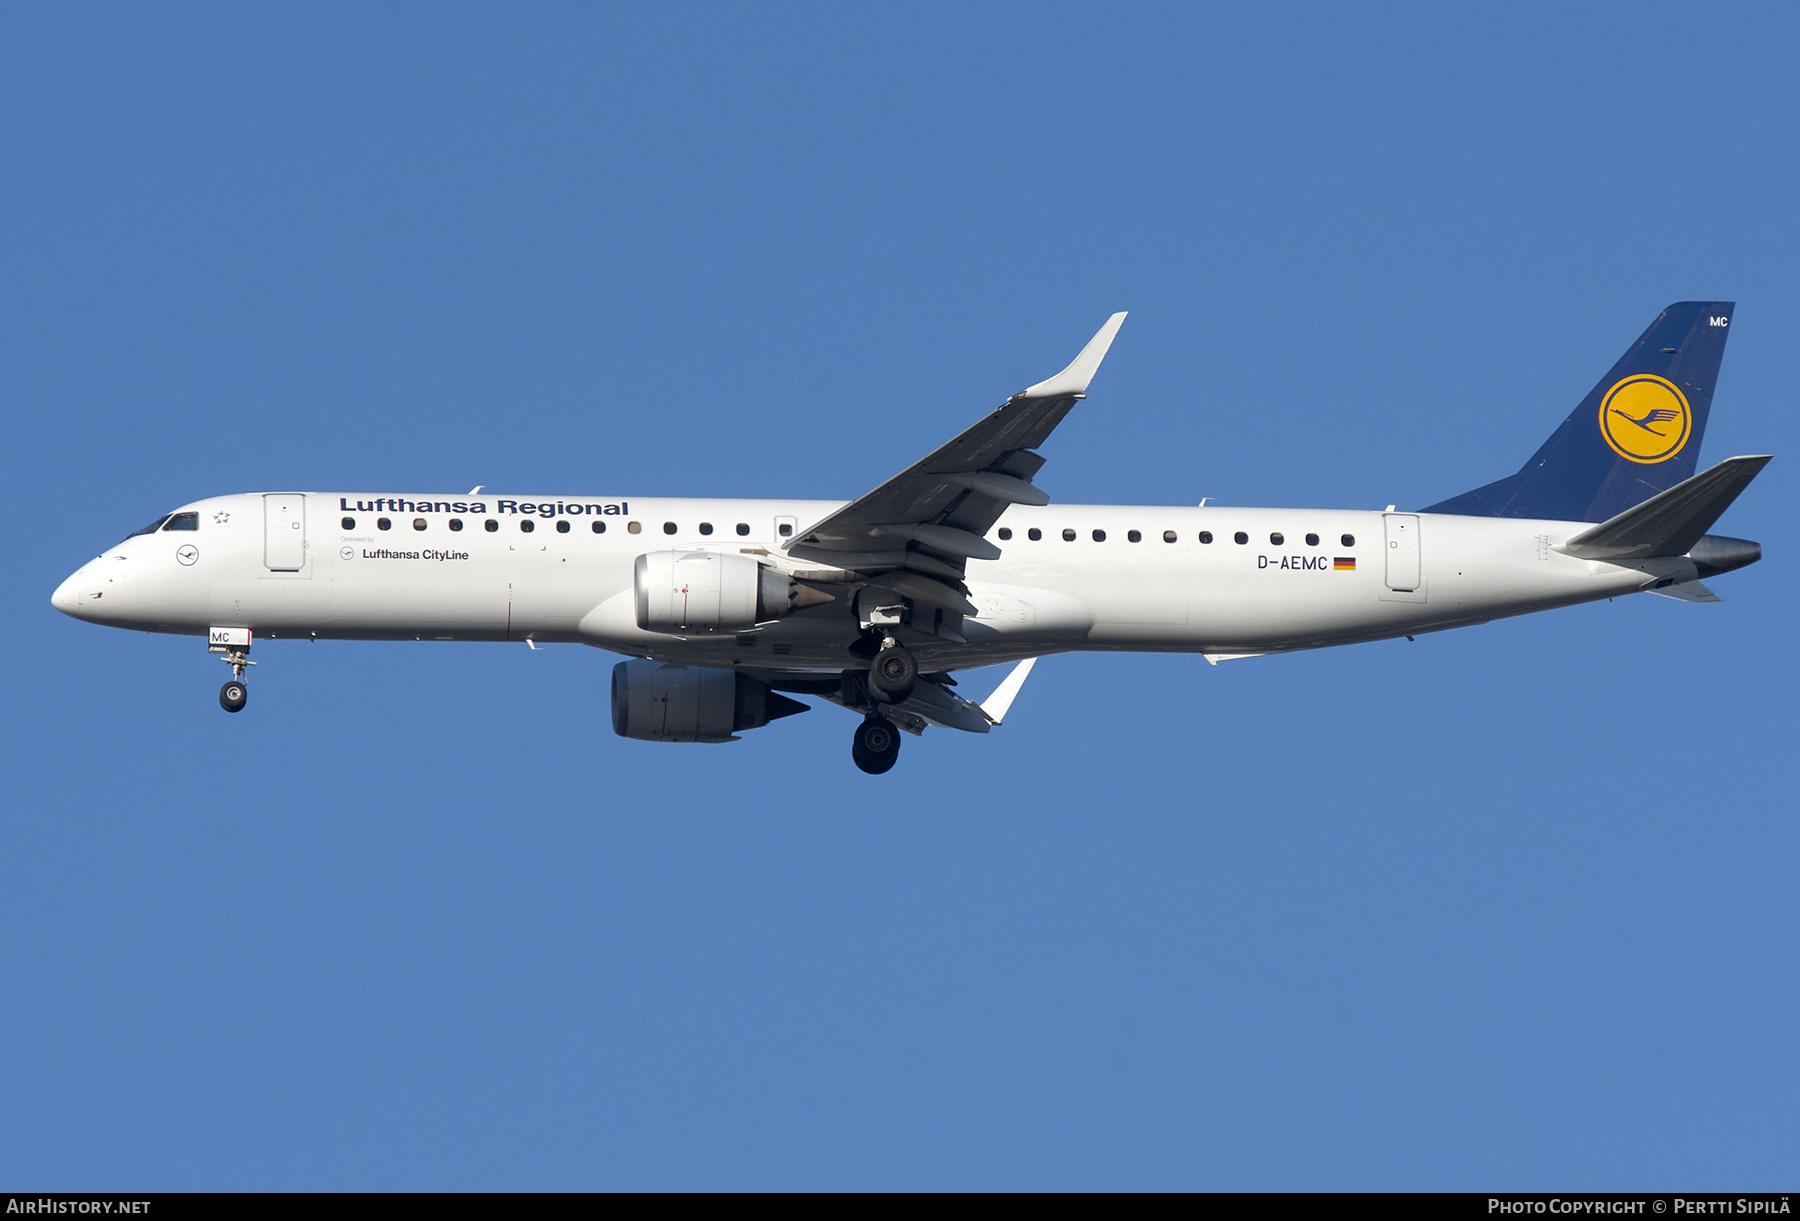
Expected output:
(727, 609)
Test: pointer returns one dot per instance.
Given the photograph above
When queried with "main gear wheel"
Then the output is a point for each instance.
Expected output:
(876, 745)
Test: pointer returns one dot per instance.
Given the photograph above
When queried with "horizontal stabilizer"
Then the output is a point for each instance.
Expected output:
(1672, 521)
(1688, 591)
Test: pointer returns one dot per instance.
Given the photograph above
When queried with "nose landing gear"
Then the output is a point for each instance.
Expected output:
(876, 745)
(233, 646)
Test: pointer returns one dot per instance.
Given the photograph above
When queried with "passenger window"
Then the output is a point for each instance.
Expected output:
(743, 529)
(706, 527)
(1312, 540)
(183, 521)
(1005, 533)
(418, 523)
(1099, 536)
(456, 525)
(1168, 536)
(1134, 536)
(349, 523)
(1034, 534)
(1277, 538)
(490, 525)
(668, 527)
(562, 527)
(1349, 540)
(1206, 536)
(527, 526)
(599, 527)
(382, 523)
(1240, 538)
(1068, 536)
(786, 530)
(634, 527)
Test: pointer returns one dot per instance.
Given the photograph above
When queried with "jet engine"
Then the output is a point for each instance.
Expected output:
(656, 701)
(708, 591)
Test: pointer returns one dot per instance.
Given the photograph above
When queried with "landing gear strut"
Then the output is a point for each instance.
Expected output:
(876, 745)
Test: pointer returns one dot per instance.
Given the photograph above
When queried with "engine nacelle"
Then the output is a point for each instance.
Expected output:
(708, 591)
(656, 701)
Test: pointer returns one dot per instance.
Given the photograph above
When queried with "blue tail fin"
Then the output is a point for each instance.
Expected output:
(1637, 432)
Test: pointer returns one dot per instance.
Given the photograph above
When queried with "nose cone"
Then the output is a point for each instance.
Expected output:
(67, 597)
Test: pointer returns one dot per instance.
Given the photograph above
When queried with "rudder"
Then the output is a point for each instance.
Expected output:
(1636, 433)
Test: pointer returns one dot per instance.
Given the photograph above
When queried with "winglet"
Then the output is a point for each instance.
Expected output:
(1075, 378)
(994, 708)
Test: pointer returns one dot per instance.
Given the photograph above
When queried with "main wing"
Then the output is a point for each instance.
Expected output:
(918, 530)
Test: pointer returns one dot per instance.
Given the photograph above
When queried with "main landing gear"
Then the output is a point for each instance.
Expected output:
(893, 673)
(876, 745)
(892, 676)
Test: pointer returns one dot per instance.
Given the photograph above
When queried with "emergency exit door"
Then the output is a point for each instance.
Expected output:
(1402, 552)
(284, 531)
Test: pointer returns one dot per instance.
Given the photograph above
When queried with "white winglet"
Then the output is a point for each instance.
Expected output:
(995, 706)
(1075, 378)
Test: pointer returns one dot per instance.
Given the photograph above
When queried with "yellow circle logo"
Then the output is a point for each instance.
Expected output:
(1645, 418)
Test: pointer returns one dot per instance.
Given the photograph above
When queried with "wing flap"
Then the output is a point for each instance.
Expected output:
(924, 589)
(999, 486)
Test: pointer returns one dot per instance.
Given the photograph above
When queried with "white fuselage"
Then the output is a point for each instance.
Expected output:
(323, 567)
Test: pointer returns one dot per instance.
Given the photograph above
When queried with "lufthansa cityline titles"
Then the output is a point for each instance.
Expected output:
(383, 553)
(547, 508)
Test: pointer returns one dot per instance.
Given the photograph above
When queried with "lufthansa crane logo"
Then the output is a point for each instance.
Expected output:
(1645, 418)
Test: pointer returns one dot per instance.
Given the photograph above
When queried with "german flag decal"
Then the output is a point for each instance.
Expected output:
(1344, 564)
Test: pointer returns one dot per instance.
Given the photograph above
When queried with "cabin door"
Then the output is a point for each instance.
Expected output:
(284, 532)
(1402, 552)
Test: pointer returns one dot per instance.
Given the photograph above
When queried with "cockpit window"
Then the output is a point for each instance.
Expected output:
(153, 527)
(183, 521)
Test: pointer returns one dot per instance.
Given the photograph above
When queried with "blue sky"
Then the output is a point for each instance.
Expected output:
(1508, 907)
